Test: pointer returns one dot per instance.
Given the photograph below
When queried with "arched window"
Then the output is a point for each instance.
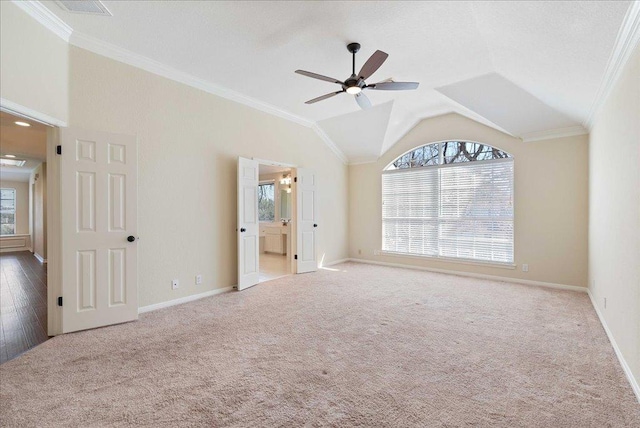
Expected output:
(452, 199)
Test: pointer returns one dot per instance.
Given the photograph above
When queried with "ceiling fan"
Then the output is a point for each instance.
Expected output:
(355, 84)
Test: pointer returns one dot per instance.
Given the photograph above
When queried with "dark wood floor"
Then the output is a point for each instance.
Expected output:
(23, 303)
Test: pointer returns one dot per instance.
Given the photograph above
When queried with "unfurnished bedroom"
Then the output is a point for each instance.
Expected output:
(323, 214)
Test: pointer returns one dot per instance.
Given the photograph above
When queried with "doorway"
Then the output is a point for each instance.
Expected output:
(276, 222)
(297, 235)
(23, 234)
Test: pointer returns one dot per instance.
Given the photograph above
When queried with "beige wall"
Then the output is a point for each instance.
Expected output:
(34, 68)
(188, 144)
(22, 204)
(550, 202)
(39, 180)
(614, 212)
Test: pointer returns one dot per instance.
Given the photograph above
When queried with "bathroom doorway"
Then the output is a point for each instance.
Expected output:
(275, 213)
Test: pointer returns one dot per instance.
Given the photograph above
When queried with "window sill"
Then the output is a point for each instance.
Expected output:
(499, 265)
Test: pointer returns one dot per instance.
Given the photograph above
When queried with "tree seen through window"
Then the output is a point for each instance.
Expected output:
(266, 202)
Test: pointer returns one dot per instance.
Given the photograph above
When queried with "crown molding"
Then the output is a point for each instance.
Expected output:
(20, 110)
(363, 160)
(48, 19)
(152, 66)
(44, 16)
(627, 40)
(569, 131)
(325, 138)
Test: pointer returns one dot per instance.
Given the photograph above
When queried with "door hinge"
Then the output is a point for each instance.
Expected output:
(60, 301)
(59, 150)
(295, 257)
(295, 179)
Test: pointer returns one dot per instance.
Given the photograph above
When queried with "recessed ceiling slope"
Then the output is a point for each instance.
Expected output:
(360, 135)
(507, 105)
(556, 51)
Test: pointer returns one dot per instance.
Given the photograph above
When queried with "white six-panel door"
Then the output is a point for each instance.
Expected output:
(99, 212)
(307, 222)
(248, 223)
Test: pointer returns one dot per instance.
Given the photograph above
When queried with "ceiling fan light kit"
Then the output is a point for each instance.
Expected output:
(355, 84)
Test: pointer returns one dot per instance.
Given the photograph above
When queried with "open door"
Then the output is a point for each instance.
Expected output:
(98, 186)
(306, 221)
(248, 223)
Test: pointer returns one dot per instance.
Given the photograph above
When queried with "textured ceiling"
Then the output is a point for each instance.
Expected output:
(557, 52)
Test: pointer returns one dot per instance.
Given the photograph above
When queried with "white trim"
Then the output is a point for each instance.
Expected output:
(152, 66)
(40, 258)
(274, 163)
(335, 262)
(626, 41)
(22, 111)
(499, 265)
(47, 18)
(13, 249)
(616, 349)
(324, 137)
(569, 131)
(363, 160)
(181, 300)
(44, 16)
(477, 275)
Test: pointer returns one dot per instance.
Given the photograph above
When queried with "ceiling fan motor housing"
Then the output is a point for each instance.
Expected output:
(353, 47)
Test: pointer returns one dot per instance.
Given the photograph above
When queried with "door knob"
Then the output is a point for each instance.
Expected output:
(242, 229)
(131, 238)
(315, 225)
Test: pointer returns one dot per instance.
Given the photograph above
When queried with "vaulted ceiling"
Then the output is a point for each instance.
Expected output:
(480, 59)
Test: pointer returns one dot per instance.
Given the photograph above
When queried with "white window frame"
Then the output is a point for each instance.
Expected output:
(440, 165)
(15, 209)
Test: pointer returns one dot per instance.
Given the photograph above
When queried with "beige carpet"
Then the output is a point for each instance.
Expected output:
(359, 346)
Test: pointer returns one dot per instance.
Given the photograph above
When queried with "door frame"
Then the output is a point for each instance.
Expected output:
(294, 229)
(54, 214)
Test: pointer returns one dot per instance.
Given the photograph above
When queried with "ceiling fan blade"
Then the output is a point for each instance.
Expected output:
(319, 76)
(393, 86)
(373, 64)
(324, 97)
(363, 101)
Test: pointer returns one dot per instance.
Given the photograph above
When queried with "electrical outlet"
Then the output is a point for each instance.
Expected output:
(525, 268)
(198, 279)
(175, 284)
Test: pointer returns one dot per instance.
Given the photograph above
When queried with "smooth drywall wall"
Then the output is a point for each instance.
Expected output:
(614, 212)
(550, 202)
(188, 145)
(34, 64)
(22, 204)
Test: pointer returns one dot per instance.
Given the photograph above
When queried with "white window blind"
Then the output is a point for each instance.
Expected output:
(462, 210)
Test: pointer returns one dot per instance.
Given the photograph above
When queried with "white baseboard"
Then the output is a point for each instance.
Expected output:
(625, 367)
(13, 249)
(181, 300)
(477, 275)
(336, 262)
(40, 258)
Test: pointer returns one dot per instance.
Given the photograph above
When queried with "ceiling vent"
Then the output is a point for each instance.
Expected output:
(92, 7)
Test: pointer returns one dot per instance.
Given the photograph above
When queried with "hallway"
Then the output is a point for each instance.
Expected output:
(23, 303)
